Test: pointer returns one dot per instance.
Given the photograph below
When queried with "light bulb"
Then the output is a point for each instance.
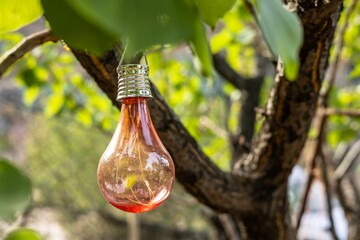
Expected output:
(136, 172)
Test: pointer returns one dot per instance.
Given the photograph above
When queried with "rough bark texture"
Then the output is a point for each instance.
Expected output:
(288, 117)
(256, 191)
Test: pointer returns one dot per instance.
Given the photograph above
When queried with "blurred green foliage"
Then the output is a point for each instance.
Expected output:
(55, 83)
(344, 128)
(18, 13)
(15, 191)
(63, 169)
(23, 234)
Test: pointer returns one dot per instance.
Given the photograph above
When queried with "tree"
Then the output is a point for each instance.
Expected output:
(254, 193)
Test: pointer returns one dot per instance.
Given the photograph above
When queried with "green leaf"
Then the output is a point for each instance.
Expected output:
(15, 191)
(200, 46)
(31, 94)
(143, 23)
(54, 104)
(23, 234)
(29, 78)
(15, 14)
(95, 25)
(77, 31)
(107, 123)
(220, 41)
(283, 33)
(292, 69)
(212, 10)
(355, 72)
(84, 116)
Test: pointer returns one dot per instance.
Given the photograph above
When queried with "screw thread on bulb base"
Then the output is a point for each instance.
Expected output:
(133, 81)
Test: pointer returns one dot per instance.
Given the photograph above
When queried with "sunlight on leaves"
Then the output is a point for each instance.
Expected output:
(54, 104)
(30, 95)
(84, 116)
(220, 41)
(15, 14)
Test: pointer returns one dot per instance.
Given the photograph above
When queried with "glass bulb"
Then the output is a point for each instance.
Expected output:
(135, 173)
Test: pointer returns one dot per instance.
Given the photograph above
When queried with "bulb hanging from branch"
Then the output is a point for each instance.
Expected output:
(135, 173)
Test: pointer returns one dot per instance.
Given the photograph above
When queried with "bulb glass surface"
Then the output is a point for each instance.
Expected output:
(135, 173)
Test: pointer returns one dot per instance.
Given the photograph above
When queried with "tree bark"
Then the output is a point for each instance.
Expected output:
(288, 117)
(256, 191)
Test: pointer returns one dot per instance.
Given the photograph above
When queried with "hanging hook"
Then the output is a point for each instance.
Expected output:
(146, 61)
(123, 54)
(118, 48)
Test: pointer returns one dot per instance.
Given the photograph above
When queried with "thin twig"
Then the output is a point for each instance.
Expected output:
(355, 189)
(251, 8)
(339, 154)
(342, 112)
(325, 177)
(305, 196)
(348, 161)
(26, 45)
(319, 124)
(338, 46)
(349, 199)
(229, 226)
(209, 124)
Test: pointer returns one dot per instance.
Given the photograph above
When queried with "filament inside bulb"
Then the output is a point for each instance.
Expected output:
(136, 172)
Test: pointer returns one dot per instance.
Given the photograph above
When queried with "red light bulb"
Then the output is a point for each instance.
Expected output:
(135, 173)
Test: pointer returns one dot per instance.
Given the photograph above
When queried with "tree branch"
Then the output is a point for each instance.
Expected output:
(349, 199)
(227, 72)
(322, 118)
(356, 192)
(348, 161)
(292, 104)
(328, 192)
(343, 112)
(250, 91)
(251, 8)
(209, 124)
(26, 45)
(288, 117)
(319, 123)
